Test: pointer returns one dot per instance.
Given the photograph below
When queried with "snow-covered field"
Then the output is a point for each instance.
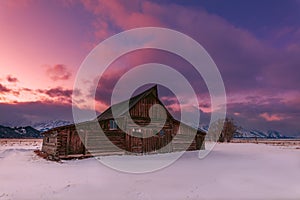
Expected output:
(231, 171)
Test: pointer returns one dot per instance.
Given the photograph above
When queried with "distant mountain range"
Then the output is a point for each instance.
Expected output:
(35, 131)
(19, 132)
(270, 134)
(254, 133)
(45, 126)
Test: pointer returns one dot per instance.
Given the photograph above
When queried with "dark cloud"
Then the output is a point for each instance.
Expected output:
(26, 89)
(58, 92)
(26, 113)
(32, 112)
(104, 89)
(133, 59)
(4, 89)
(266, 114)
(11, 79)
(58, 72)
(245, 61)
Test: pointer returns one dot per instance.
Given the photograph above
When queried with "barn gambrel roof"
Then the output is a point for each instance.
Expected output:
(122, 107)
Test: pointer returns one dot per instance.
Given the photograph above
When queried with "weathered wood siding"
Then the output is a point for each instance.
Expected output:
(142, 109)
(148, 139)
(50, 144)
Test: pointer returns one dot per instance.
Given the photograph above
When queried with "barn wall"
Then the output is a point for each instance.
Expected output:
(111, 142)
(184, 134)
(154, 139)
(201, 142)
(68, 141)
(75, 145)
(87, 140)
(62, 142)
(49, 144)
(142, 108)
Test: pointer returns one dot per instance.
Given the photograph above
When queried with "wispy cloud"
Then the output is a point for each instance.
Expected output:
(58, 72)
(11, 79)
(4, 89)
(271, 117)
(57, 92)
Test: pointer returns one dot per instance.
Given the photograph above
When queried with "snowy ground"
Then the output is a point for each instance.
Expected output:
(231, 171)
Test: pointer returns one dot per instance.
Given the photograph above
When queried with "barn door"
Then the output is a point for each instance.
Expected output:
(149, 141)
(134, 142)
(62, 144)
(198, 142)
(164, 137)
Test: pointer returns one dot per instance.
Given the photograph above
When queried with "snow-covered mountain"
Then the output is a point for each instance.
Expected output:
(270, 134)
(254, 133)
(19, 132)
(45, 126)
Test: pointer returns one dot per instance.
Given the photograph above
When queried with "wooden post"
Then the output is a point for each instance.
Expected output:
(68, 142)
(85, 142)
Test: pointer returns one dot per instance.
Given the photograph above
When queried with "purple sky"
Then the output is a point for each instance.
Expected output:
(255, 44)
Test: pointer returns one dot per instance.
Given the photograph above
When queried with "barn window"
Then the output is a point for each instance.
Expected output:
(47, 139)
(161, 132)
(137, 130)
(112, 125)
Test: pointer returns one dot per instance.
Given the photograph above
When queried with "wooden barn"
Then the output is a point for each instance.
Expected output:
(84, 139)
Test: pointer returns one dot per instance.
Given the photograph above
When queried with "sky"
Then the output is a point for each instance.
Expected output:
(255, 44)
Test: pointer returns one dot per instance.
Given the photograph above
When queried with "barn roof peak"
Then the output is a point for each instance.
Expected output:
(122, 107)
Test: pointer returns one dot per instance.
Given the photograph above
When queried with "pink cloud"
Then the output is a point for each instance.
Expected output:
(115, 14)
(230, 47)
(271, 117)
(12, 79)
(58, 92)
(57, 95)
(245, 61)
(126, 15)
(4, 89)
(174, 107)
(58, 72)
